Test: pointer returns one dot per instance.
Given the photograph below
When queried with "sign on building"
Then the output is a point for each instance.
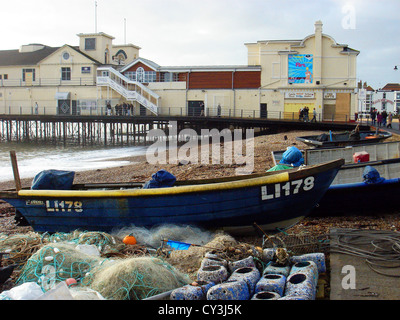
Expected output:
(300, 68)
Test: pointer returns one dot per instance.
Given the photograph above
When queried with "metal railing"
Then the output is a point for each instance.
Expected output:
(101, 110)
(85, 81)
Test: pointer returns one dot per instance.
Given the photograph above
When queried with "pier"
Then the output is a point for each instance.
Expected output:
(133, 130)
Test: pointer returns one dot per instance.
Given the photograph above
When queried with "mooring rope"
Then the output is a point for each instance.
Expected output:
(379, 248)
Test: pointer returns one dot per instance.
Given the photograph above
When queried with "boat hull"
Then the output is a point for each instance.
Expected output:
(342, 140)
(359, 199)
(273, 202)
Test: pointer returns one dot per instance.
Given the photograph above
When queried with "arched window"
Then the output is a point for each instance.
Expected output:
(106, 56)
(140, 74)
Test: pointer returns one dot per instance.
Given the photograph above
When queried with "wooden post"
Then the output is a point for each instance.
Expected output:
(15, 170)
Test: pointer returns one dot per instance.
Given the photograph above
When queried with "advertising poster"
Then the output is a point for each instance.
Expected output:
(300, 68)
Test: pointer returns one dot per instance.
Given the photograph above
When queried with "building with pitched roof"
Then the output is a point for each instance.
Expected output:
(280, 77)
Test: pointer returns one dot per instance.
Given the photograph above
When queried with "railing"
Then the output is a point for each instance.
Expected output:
(129, 89)
(86, 81)
(101, 110)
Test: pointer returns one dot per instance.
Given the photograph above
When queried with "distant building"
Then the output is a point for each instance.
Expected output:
(280, 77)
(386, 98)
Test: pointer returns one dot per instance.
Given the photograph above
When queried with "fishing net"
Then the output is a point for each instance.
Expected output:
(152, 237)
(135, 278)
(18, 248)
(54, 263)
(103, 241)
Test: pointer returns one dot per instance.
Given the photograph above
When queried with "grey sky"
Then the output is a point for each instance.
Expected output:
(213, 32)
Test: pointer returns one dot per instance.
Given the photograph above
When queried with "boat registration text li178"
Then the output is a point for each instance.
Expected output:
(63, 206)
(286, 189)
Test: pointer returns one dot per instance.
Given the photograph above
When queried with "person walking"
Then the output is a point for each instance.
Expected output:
(373, 116)
(379, 118)
(314, 119)
(389, 120)
(384, 117)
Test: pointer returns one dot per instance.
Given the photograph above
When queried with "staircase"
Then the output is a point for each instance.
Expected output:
(130, 90)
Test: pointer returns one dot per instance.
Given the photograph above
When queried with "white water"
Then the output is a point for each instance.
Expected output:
(34, 158)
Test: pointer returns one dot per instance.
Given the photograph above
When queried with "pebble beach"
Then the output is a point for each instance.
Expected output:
(139, 170)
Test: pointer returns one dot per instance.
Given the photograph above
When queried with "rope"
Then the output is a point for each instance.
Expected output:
(379, 248)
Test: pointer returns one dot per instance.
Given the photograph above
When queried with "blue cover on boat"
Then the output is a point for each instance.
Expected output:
(53, 180)
(160, 179)
(292, 156)
(371, 175)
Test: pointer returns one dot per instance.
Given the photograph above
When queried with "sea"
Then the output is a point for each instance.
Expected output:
(32, 158)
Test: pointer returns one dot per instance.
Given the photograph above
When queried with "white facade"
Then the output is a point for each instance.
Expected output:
(380, 100)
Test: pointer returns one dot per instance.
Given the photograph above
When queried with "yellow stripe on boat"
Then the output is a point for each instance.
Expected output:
(252, 182)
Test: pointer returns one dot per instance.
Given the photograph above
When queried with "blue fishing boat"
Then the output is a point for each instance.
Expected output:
(272, 200)
(358, 188)
(329, 140)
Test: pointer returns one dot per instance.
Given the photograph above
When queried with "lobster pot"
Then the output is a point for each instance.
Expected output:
(249, 275)
(300, 284)
(307, 267)
(271, 283)
(266, 295)
(247, 262)
(318, 258)
(211, 254)
(293, 298)
(215, 274)
(192, 292)
(229, 290)
(275, 268)
(213, 261)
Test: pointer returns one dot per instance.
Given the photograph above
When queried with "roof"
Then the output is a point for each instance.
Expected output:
(16, 58)
(149, 63)
(159, 68)
(392, 87)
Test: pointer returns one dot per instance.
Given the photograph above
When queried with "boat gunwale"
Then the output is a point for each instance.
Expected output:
(284, 176)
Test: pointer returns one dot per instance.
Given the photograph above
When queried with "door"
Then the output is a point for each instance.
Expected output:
(28, 78)
(74, 108)
(143, 110)
(263, 110)
(64, 107)
(195, 108)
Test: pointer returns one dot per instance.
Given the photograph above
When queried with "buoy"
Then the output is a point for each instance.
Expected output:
(71, 282)
(129, 239)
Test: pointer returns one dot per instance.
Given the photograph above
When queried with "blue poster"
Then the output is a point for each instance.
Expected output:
(300, 68)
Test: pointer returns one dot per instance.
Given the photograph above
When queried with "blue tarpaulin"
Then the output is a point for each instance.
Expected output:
(371, 175)
(177, 245)
(292, 156)
(160, 179)
(53, 180)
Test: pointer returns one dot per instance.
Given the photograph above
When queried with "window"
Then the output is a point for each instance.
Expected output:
(106, 56)
(5, 77)
(90, 44)
(25, 71)
(65, 55)
(398, 96)
(66, 73)
(140, 74)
